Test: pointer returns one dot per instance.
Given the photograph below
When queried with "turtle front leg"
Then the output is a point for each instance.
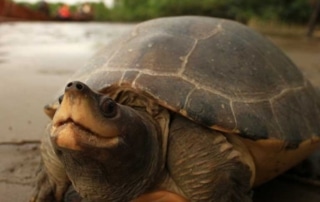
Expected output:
(52, 181)
(207, 166)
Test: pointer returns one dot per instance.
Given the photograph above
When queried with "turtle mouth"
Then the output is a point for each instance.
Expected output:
(73, 135)
(78, 125)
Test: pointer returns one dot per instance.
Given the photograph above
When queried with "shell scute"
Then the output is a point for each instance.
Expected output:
(210, 109)
(152, 52)
(255, 120)
(161, 87)
(297, 113)
(104, 79)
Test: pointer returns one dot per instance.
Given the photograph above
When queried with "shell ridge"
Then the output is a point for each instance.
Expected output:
(184, 106)
(285, 91)
(215, 31)
(234, 116)
(276, 120)
(186, 58)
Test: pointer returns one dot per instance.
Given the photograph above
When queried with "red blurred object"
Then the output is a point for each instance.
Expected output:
(10, 11)
(64, 12)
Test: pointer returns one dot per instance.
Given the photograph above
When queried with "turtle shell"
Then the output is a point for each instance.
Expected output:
(216, 72)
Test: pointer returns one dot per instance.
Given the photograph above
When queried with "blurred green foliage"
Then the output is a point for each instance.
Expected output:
(297, 11)
(289, 11)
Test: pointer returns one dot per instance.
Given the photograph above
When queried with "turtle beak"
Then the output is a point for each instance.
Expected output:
(78, 121)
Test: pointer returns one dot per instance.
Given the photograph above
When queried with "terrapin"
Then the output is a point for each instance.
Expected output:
(193, 107)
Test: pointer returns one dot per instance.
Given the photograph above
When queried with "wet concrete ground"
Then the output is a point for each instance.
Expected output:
(35, 61)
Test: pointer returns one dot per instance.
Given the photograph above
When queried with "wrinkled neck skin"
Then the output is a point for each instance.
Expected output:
(125, 171)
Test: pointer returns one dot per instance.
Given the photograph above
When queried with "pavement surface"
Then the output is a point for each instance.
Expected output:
(35, 61)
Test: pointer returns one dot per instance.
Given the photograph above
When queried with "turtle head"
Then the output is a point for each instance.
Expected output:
(106, 147)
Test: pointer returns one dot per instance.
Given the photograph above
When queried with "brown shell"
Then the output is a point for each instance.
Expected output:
(216, 72)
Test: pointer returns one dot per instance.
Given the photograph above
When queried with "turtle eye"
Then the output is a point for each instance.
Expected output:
(60, 99)
(108, 107)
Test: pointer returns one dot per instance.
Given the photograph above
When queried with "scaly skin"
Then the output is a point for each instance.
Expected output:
(206, 165)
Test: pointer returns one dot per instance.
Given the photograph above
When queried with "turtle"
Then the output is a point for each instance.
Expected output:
(187, 108)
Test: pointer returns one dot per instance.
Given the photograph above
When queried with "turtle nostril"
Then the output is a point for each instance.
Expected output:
(75, 86)
(79, 86)
(69, 84)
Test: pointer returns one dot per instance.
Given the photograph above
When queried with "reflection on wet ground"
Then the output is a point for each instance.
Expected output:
(53, 46)
(35, 61)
